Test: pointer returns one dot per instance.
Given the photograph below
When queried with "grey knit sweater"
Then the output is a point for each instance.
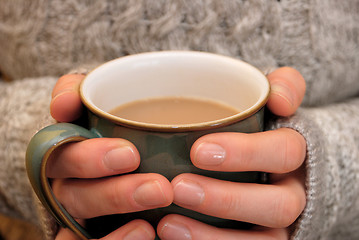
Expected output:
(42, 39)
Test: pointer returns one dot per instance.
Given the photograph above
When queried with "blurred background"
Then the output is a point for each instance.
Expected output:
(14, 229)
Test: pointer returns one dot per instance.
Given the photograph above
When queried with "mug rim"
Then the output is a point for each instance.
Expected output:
(178, 127)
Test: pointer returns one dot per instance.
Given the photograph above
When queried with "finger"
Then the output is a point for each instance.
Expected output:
(134, 230)
(66, 104)
(278, 151)
(93, 158)
(287, 91)
(275, 206)
(121, 194)
(180, 227)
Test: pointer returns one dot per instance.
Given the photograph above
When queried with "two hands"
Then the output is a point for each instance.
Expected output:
(273, 207)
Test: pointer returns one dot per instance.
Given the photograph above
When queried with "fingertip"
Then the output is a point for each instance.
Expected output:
(66, 106)
(287, 91)
(291, 73)
(166, 187)
(93, 158)
(139, 229)
(161, 224)
(280, 102)
(136, 229)
(174, 227)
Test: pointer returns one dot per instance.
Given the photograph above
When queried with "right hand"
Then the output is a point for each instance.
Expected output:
(77, 171)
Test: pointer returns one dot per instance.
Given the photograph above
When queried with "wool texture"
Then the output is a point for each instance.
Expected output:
(41, 39)
(319, 38)
(24, 108)
(332, 180)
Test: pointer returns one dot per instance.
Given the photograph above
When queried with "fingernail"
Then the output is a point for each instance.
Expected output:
(187, 192)
(283, 91)
(175, 231)
(138, 234)
(150, 194)
(209, 154)
(120, 159)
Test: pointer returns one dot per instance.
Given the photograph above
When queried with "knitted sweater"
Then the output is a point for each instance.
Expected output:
(42, 39)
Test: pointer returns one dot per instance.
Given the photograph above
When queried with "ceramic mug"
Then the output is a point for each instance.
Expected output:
(164, 149)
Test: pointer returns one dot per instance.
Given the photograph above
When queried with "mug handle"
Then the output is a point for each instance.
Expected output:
(41, 145)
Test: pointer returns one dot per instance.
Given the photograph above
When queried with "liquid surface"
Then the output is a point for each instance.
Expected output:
(173, 110)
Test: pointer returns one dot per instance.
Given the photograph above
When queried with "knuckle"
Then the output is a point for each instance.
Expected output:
(82, 154)
(66, 196)
(80, 170)
(247, 152)
(73, 159)
(115, 199)
(230, 207)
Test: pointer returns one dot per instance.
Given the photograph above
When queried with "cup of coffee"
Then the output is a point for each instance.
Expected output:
(162, 102)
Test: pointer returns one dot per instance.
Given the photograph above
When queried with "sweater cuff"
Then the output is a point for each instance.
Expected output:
(318, 177)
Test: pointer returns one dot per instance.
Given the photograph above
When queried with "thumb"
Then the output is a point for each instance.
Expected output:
(287, 91)
(66, 104)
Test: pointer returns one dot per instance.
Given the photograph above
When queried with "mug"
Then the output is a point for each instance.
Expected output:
(164, 148)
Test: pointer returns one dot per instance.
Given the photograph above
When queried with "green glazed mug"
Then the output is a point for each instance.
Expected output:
(164, 149)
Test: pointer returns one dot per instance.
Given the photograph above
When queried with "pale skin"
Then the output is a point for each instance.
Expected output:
(273, 207)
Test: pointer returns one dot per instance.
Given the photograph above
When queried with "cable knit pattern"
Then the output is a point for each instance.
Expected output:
(52, 37)
(319, 38)
(115, 28)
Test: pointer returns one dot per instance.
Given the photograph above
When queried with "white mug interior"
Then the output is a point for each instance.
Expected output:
(175, 73)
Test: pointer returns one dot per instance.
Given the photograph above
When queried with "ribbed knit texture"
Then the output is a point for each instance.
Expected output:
(42, 38)
(332, 210)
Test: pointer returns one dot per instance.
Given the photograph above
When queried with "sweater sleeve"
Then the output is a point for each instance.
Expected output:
(24, 108)
(332, 170)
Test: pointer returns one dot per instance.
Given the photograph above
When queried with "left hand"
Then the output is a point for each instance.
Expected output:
(273, 207)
